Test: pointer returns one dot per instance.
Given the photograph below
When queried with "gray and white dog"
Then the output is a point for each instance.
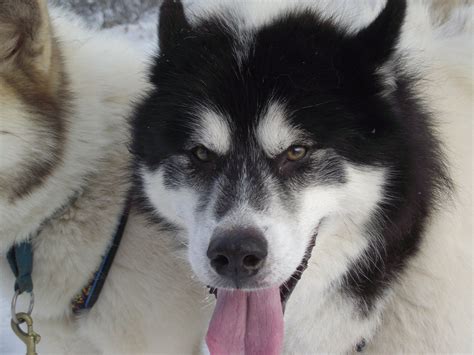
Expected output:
(65, 95)
(288, 140)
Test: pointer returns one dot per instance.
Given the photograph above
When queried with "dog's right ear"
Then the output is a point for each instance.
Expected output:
(173, 24)
(25, 34)
(378, 41)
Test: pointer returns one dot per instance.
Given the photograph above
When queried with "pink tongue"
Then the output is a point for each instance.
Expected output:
(247, 323)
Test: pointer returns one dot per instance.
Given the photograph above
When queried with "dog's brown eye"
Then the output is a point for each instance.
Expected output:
(202, 154)
(296, 153)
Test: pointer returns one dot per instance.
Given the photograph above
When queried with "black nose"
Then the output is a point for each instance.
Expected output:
(238, 253)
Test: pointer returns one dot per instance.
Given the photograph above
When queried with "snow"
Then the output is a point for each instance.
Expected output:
(142, 34)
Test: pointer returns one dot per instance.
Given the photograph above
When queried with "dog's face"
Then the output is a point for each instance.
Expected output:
(272, 177)
(256, 141)
(31, 129)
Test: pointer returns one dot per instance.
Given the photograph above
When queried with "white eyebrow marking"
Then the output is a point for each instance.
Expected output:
(212, 130)
(274, 133)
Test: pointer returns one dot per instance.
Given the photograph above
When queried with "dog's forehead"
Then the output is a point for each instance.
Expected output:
(254, 88)
(248, 74)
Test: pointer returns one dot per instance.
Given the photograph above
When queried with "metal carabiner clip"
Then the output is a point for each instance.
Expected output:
(30, 338)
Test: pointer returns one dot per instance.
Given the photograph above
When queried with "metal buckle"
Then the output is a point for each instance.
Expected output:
(29, 337)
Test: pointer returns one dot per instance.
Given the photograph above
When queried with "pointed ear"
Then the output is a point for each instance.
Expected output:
(173, 24)
(25, 34)
(378, 41)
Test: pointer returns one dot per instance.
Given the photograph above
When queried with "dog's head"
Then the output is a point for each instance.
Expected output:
(31, 84)
(257, 139)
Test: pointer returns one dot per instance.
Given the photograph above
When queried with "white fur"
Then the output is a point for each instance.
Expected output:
(256, 13)
(212, 131)
(274, 133)
(13, 145)
(177, 206)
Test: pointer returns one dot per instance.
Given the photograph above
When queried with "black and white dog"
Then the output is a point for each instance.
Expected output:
(291, 139)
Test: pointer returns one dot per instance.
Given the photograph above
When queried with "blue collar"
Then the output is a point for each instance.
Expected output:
(89, 295)
(20, 259)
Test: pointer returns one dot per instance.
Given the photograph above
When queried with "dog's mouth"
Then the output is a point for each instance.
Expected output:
(286, 288)
(251, 322)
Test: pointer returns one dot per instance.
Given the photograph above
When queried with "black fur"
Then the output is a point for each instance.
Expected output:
(331, 87)
(418, 185)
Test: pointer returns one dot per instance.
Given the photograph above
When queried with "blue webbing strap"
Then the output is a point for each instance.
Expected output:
(89, 295)
(20, 258)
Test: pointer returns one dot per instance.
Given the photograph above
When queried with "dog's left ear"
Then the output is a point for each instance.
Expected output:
(25, 34)
(173, 24)
(377, 42)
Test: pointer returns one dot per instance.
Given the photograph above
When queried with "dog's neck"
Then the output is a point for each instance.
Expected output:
(68, 202)
(334, 311)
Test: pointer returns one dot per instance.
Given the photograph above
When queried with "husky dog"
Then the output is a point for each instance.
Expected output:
(292, 141)
(65, 93)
